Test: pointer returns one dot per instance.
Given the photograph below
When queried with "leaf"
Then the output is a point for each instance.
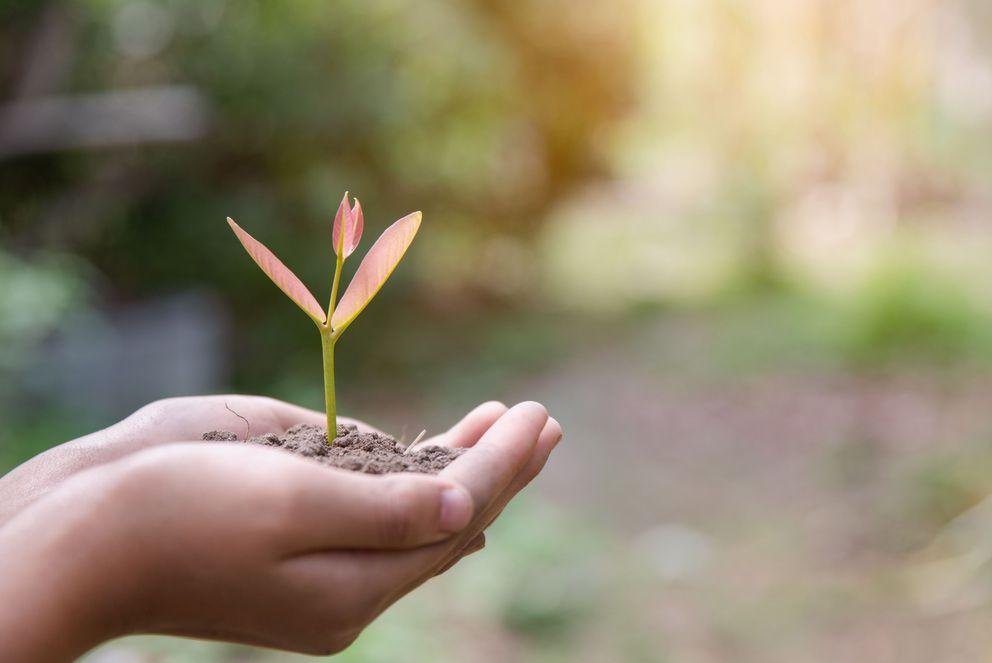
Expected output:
(281, 275)
(376, 267)
(352, 221)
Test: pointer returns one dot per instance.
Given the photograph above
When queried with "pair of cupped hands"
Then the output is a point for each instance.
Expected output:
(140, 528)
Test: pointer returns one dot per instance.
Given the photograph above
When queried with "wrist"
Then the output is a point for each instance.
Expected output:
(64, 584)
(39, 476)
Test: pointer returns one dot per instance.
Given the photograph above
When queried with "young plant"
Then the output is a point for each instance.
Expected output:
(372, 273)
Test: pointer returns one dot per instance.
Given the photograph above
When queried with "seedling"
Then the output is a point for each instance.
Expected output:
(372, 273)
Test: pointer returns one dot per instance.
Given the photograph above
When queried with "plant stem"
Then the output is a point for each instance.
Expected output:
(334, 288)
(327, 348)
(327, 341)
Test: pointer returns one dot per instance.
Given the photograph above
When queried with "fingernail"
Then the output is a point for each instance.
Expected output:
(456, 509)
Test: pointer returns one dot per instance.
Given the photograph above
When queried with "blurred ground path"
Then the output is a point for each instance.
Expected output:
(660, 441)
(788, 506)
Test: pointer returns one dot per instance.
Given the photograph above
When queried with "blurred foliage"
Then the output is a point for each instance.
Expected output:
(408, 104)
(469, 110)
(909, 315)
(36, 296)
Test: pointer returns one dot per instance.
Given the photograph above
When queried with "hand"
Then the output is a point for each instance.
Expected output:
(503, 459)
(161, 422)
(248, 544)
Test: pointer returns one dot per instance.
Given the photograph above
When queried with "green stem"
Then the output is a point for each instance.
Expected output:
(327, 341)
(327, 347)
(334, 288)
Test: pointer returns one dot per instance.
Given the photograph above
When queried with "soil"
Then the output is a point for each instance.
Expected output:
(371, 453)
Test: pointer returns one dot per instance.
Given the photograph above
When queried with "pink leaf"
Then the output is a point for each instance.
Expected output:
(359, 220)
(376, 267)
(351, 220)
(281, 275)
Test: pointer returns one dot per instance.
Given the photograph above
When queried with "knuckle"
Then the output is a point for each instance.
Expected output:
(151, 413)
(163, 405)
(397, 511)
(155, 406)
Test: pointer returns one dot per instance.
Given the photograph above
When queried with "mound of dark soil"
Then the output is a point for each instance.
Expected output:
(371, 453)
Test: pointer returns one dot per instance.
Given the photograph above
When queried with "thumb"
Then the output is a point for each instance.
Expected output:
(348, 510)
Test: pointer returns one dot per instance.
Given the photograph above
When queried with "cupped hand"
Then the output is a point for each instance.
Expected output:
(251, 544)
(507, 449)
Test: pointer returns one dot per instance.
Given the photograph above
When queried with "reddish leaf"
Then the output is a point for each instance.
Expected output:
(376, 267)
(351, 220)
(281, 275)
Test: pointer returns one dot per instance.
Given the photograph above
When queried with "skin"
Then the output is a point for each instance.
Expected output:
(136, 529)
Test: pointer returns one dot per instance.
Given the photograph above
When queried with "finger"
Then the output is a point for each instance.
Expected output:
(502, 451)
(330, 508)
(547, 440)
(551, 436)
(470, 429)
(486, 471)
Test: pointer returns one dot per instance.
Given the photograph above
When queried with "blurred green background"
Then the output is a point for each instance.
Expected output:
(741, 249)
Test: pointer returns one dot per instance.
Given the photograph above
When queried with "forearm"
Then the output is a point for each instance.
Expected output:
(39, 617)
(58, 577)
